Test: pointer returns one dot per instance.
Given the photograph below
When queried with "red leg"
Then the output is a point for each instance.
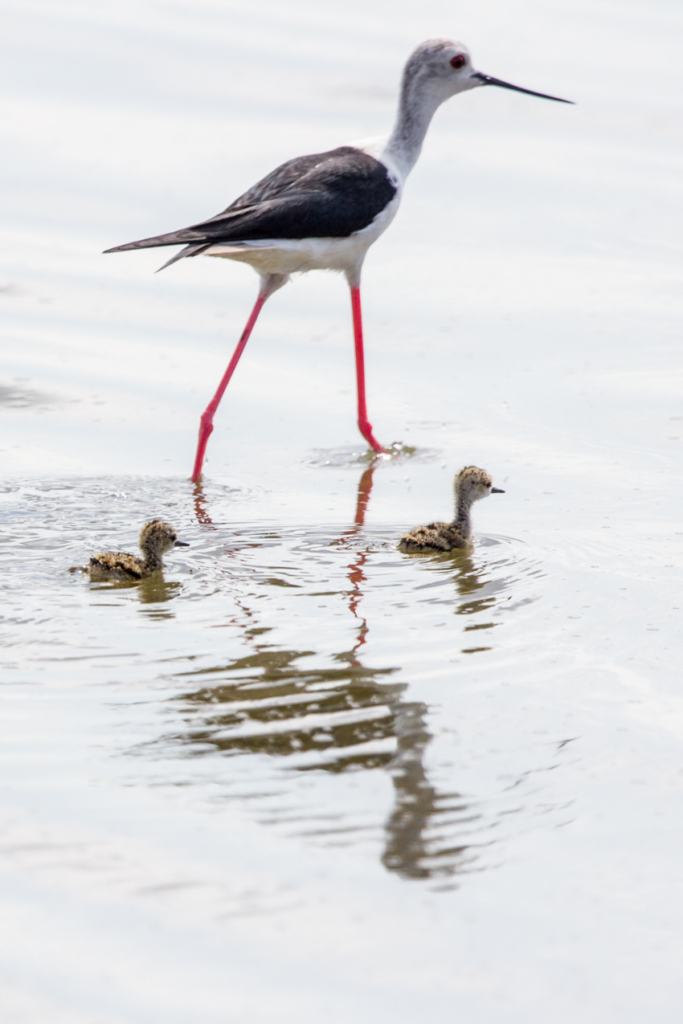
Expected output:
(206, 421)
(363, 421)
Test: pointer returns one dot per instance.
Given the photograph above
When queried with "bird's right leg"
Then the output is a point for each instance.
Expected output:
(363, 422)
(269, 284)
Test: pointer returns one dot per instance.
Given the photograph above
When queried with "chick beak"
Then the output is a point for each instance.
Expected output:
(182, 544)
(497, 490)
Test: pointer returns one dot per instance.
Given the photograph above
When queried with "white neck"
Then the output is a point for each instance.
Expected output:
(417, 105)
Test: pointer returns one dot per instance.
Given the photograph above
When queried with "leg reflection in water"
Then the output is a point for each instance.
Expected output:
(338, 717)
(356, 576)
(201, 510)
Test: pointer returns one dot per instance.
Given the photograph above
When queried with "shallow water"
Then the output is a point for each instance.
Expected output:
(303, 776)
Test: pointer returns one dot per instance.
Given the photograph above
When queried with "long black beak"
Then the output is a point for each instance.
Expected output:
(497, 490)
(487, 80)
(182, 543)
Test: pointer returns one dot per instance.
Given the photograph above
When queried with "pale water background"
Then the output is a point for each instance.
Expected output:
(304, 777)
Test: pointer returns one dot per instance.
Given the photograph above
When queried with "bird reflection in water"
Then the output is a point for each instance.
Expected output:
(340, 718)
(154, 593)
(201, 510)
(477, 592)
(412, 849)
(356, 576)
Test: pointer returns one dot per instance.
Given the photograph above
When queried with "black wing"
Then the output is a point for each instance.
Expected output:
(325, 195)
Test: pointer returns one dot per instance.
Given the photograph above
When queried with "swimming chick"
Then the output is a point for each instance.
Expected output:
(470, 485)
(156, 537)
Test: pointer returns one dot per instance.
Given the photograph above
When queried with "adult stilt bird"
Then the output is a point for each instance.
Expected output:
(323, 211)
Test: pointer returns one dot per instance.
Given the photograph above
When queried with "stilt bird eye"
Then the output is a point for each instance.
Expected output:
(458, 62)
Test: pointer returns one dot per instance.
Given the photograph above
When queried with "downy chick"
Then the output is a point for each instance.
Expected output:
(156, 537)
(470, 485)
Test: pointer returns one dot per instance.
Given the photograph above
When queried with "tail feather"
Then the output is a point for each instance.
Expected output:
(187, 235)
(189, 250)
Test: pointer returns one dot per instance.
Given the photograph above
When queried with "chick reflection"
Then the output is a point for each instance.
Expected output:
(477, 592)
(156, 591)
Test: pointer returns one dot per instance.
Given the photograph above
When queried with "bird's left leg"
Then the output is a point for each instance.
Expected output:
(269, 284)
(363, 422)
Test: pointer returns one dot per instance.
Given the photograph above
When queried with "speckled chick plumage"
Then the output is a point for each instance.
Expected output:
(156, 538)
(470, 485)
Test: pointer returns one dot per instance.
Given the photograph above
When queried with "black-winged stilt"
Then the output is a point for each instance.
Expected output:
(324, 211)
